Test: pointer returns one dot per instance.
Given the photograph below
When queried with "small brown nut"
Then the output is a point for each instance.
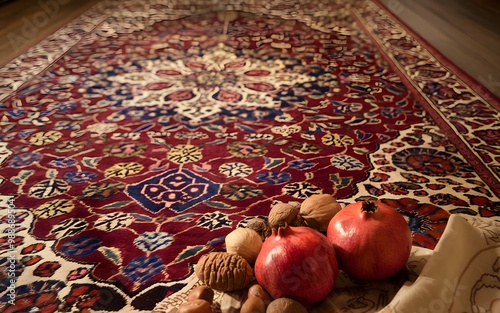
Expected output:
(283, 214)
(253, 304)
(285, 305)
(260, 226)
(195, 306)
(201, 292)
(256, 290)
(224, 271)
(317, 211)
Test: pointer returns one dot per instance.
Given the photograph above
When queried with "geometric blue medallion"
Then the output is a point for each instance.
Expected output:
(176, 189)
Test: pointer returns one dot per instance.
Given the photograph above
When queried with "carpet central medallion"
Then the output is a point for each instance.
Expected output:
(177, 190)
(199, 84)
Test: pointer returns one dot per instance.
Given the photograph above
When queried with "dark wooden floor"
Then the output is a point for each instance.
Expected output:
(467, 32)
(23, 23)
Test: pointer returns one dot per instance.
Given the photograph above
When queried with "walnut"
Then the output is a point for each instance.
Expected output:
(245, 242)
(260, 226)
(223, 271)
(317, 211)
(283, 214)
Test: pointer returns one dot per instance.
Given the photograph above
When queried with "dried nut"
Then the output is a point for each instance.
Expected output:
(256, 290)
(282, 214)
(224, 271)
(285, 305)
(195, 306)
(318, 210)
(230, 302)
(201, 292)
(260, 226)
(253, 305)
(245, 242)
(295, 204)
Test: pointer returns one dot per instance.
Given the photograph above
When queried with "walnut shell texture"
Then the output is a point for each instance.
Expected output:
(317, 210)
(224, 271)
(282, 214)
(260, 226)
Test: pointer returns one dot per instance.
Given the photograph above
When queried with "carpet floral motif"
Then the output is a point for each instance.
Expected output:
(130, 157)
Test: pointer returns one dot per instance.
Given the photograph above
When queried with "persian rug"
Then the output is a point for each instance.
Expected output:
(134, 139)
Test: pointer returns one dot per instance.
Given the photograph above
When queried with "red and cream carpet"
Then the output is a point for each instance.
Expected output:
(139, 135)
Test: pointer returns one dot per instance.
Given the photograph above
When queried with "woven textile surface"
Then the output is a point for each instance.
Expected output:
(134, 139)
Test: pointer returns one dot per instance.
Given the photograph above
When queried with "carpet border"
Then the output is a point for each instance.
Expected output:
(437, 116)
(479, 88)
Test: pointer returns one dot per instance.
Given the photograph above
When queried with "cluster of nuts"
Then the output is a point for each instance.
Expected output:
(232, 270)
(259, 301)
(315, 211)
